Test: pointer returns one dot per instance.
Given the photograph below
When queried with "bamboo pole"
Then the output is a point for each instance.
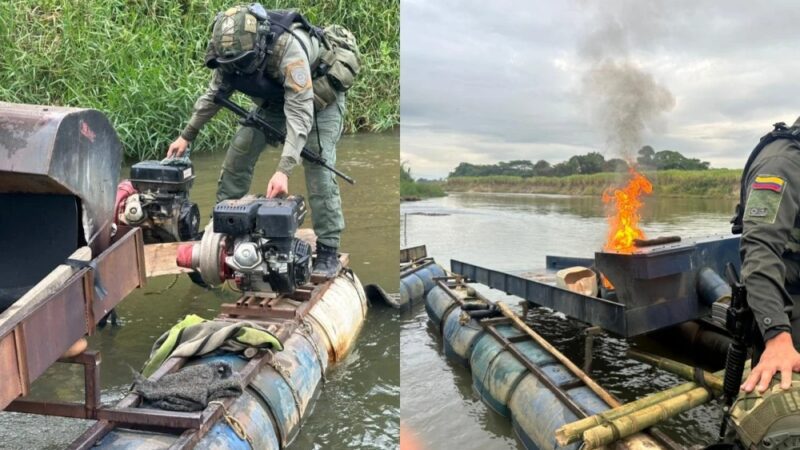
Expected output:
(682, 370)
(572, 432)
(596, 388)
(639, 420)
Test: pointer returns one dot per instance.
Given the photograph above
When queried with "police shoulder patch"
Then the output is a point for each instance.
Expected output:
(298, 76)
(764, 200)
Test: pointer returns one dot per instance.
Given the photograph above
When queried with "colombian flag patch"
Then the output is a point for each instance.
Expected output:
(769, 183)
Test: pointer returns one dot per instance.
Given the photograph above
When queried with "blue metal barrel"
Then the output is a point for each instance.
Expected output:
(496, 372)
(537, 413)
(437, 304)
(412, 289)
(427, 275)
(460, 339)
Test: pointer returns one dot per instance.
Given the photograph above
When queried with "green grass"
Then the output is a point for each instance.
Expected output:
(718, 183)
(412, 190)
(140, 62)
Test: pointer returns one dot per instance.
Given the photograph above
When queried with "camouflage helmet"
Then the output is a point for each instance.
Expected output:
(237, 38)
(769, 420)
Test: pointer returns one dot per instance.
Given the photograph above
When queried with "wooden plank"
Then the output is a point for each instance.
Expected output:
(159, 259)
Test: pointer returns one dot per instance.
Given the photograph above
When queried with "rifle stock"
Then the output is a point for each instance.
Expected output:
(249, 119)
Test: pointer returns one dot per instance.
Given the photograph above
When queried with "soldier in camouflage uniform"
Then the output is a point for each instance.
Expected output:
(270, 56)
(770, 250)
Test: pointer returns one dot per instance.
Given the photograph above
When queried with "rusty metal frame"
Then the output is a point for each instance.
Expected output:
(271, 308)
(196, 425)
(411, 254)
(557, 390)
(91, 409)
(35, 339)
(416, 266)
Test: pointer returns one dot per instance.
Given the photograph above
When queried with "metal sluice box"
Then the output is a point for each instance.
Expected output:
(32, 339)
(59, 169)
(654, 287)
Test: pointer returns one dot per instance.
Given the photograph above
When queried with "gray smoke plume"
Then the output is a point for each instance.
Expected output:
(623, 99)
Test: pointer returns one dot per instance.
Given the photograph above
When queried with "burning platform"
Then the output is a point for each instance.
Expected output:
(653, 287)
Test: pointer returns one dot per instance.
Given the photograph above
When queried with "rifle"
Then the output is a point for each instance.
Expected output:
(252, 119)
(740, 323)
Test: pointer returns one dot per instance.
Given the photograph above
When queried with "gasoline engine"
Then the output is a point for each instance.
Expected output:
(156, 199)
(252, 242)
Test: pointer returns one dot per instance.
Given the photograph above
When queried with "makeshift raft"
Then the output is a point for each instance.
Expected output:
(515, 375)
(317, 327)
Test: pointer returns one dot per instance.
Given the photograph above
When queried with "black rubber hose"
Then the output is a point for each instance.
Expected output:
(484, 314)
(475, 306)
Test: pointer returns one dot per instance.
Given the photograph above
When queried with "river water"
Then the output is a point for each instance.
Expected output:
(514, 233)
(358, 406)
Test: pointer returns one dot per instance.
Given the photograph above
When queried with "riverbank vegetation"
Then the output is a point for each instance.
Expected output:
(411, 190)
(717, 183)
(587, 164)
(141, 62)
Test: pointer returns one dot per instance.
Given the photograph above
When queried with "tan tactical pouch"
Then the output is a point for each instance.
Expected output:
(342, 62)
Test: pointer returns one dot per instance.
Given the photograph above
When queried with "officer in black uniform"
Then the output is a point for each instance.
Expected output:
(770, 251)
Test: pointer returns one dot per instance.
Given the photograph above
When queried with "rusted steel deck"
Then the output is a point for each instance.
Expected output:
(33, 337)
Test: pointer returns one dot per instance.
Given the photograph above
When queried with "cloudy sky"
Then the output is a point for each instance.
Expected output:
(483, 82)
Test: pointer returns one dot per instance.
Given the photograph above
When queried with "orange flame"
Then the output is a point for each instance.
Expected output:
(624, 218)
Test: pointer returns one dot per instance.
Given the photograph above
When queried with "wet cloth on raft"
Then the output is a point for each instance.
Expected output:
(195, 336)
(191, 388)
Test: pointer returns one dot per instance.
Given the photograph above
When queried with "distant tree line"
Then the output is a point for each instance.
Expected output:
(589, 163)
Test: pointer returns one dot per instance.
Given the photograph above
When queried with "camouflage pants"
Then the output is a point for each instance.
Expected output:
(323, 190)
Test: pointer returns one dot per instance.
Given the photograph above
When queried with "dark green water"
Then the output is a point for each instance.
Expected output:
(358, 406)
(514, 233)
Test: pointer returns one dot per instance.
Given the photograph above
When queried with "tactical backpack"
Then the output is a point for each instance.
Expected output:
(780, 131)
(338, 65)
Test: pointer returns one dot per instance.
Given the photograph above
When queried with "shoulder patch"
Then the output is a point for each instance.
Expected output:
(764, 200)
(298, 76)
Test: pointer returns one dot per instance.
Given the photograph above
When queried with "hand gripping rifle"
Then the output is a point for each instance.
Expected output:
(252, 119)
(741, 325)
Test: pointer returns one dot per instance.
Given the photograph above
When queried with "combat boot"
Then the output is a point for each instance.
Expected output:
(327, 264)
